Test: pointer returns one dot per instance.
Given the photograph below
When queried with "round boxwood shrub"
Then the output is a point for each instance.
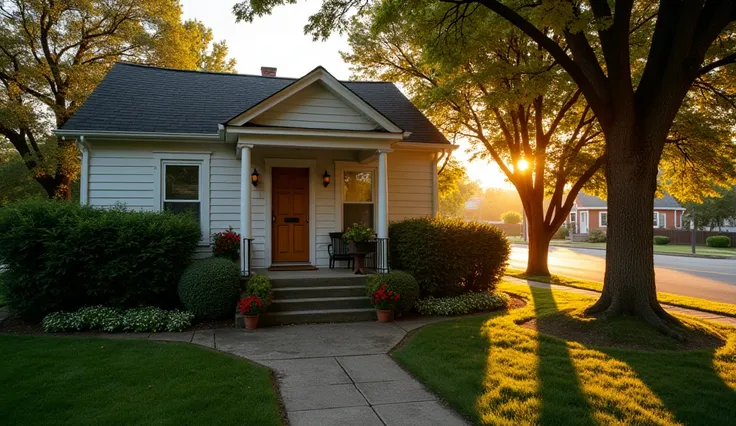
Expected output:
(661, 240)
(209, 288)
(718, 241)
(398, 282)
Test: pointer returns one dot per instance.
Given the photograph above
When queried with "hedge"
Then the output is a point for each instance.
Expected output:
(209, 288)
(661, 240)
(449, 257)
(718, 241)
(597, 236)
(62, 256)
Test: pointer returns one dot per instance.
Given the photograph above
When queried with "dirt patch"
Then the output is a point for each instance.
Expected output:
(516, 302)
(638, 337)
(16, 325)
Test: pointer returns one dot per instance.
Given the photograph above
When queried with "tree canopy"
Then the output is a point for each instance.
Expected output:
(54, 53)
(455, 188)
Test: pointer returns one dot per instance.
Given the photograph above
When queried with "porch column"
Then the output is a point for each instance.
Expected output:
(382, 222)
(245, 210)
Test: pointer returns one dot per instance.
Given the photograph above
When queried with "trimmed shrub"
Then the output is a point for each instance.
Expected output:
(399, 282)
(661, 240)
(562, 233)
(61, 256)
(596, 236)
(718, 241)
(449, 256)
(259, 285)
(209, 288)
(463, 304)
(146, 319)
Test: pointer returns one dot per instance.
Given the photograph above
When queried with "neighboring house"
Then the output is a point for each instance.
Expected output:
(283, 161)
(591, 212)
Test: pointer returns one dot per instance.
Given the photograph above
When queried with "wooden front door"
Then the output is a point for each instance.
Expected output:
(290, 209)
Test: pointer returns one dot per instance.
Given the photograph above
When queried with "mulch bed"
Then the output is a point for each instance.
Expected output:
(516, 302)
(566, 328)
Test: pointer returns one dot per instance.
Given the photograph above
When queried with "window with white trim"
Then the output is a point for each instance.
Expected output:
(358, 198)
(603, 219)
(182, 185)
(660, 221)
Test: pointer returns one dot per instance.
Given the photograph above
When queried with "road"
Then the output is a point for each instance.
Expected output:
(712, 279)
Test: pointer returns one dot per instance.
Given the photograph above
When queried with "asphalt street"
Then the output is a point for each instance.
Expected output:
(712, 279)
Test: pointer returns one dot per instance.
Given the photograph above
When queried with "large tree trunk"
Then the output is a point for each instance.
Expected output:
(538, 247)
(629, 287)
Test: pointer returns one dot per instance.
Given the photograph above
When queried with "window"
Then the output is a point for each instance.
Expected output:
(181, 189)
(658, 219)
(357, 198)
(603, 219)
(573, 217)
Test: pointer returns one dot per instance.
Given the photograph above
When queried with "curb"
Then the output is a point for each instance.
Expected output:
(699, 256)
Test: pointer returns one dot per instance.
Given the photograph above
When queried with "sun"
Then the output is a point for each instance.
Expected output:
(522, 165)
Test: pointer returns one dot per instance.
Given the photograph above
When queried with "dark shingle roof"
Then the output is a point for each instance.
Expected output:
(136, 98)
(666, 202)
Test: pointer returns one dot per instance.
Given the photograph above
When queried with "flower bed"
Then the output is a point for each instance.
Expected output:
(111, 320)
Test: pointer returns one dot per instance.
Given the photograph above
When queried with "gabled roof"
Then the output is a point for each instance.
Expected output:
(588, 201)
(144, 99)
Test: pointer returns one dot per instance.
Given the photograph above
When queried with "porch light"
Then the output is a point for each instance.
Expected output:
(254, 177)
(325, 179)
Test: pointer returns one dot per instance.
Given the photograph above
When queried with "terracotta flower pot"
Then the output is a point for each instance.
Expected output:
(385, 315)
(251, 322)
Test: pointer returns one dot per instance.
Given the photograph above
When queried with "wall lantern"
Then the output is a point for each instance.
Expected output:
(325, 179)
(254, 177)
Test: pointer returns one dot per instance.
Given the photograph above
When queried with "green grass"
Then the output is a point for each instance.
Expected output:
(674, 249)
(721, 308)
(494, 371)
(64, 380)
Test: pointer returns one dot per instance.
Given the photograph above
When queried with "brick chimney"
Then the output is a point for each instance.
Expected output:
(268, 71)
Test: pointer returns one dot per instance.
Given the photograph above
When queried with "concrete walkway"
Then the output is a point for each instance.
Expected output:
(335, 374)
(721, 319)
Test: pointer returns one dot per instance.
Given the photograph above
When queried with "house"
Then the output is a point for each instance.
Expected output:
(591, 212)
(283, 161)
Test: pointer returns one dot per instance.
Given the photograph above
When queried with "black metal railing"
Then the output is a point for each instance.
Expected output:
(246, 268)
(378, 259)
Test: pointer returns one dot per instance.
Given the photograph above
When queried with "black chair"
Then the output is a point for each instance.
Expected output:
(339, 250)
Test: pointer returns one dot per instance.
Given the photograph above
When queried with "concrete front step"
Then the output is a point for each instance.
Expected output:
(319, 303)
(311, 292)
(318, 316)
(319, 282)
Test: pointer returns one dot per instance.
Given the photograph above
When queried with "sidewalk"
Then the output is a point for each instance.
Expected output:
(721, 319)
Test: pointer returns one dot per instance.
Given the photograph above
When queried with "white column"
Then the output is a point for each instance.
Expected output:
(84, 173)
(245, 202)
(382, 230)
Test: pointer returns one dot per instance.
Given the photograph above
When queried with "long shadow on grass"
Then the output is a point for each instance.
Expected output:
(687, 383)
(562, 399)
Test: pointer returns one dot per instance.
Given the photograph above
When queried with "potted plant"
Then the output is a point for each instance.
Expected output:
(227, 245)
(359, 237)
(384, 301)
(250, 307)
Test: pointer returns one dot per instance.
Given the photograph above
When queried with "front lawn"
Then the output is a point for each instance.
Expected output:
(61, 380)
(494, 371)
(721, 308)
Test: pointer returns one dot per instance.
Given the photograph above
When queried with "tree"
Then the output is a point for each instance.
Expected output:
(713, 211)
(635, 65)
(455, 188)
(54, 53)
(513, 218)
(498, 90)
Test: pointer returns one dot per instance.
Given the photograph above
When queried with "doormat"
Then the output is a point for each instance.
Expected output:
(292, 268)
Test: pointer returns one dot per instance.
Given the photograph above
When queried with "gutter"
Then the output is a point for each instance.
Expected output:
(100, 134)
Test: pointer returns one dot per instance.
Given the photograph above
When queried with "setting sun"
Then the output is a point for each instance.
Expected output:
(522, 165)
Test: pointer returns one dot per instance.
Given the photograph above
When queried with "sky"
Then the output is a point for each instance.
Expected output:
(279, 41)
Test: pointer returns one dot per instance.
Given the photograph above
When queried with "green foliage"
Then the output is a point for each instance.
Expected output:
(513, 218)
(449, 256)
(718, 241)
(711, 212)
(595, 235)
(259, 285)
(463, 304)
(661, 240)
(357, 233)
(61, 256)
(209, 287)
(399, 282)
(455, 189)
(110, 320)
(562, 233)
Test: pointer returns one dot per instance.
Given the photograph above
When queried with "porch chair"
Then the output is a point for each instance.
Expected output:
(339, 250)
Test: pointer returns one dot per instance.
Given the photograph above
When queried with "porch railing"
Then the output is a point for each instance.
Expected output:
(379, 259)
(247, 266)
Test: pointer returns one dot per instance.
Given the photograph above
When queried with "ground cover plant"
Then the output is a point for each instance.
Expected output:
(110, 320)
(495, 371)
(464, 304)
(53, 380)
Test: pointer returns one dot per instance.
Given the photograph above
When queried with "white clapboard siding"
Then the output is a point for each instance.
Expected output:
(121, 176)
(410, 185)
(315, 107)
